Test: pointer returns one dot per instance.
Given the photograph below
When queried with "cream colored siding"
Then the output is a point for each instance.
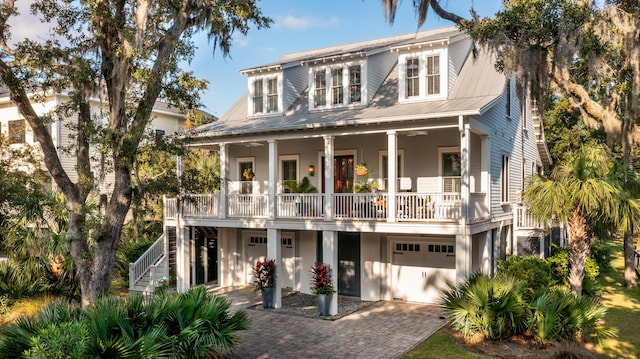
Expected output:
(378, 67)
(458, 52)
(295, 81)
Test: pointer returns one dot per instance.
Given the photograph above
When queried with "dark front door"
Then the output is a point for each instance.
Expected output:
(348, 279)
(200, 253)
(342, 174)
(206, 255)
(212, 259)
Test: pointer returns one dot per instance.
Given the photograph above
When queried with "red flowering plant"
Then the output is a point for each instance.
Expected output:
(264, 273)
(321, 282)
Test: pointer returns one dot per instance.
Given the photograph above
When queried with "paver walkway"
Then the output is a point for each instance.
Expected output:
(385, 329)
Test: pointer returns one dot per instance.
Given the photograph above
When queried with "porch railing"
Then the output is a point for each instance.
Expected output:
(364, 206)
(248, 205)
(523, 218)
(201, 205)
(428, 206)
(146, 261)
(170, 208)
(300, 205)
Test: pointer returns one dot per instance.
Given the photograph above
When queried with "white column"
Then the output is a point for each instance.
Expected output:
(328, 178)
(224, 174)
(274, 252)
(465, 175)
(463, 257)
(330, 257)
(273, 178)
(183, 274)
(485, 146)
(485, 252)
(392, 176)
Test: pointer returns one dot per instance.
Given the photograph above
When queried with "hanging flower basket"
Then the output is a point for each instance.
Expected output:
(248, 173)
(362, 170)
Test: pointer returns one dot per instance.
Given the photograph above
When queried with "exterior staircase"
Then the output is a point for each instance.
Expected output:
(151, 269)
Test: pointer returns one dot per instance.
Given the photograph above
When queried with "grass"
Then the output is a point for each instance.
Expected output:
(441, 345)
(25, 306)
(623, 311)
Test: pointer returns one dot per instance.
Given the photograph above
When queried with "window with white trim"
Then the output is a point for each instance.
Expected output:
(336, 85)
(17, 131)
(288, 170)
(422, 75)
(450, 168)
(504, 179)
(246, 183)
(265, 95)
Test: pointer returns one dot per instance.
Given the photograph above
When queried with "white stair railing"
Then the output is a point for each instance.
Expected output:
(146, 261)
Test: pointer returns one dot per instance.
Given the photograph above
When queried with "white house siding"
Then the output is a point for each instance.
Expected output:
(295, 81)
(457, 55)
(306, 258)
(378, 67)
(371, 277)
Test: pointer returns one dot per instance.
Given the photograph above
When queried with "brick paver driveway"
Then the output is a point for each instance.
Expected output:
(381, 330)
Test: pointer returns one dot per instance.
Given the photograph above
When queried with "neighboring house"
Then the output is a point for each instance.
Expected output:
(447, 140)
(166, 121)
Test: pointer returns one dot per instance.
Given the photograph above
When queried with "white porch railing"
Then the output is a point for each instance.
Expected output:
(301, 205)
(365, 206)
(146, 261)
(523, 218)
(428, 206)
(170, 208)
(201, 205)
(248, 205)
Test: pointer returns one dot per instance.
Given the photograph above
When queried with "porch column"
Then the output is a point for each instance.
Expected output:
(465, 172)
(485, 260)
(485, 160)
(330, 257)
(183, 273)
(273, 178)
(274, 252)
(392, 176)
(464, 254)
(328, 178)
(224, 174)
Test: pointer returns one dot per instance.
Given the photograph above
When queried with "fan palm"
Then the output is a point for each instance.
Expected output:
(581, 191)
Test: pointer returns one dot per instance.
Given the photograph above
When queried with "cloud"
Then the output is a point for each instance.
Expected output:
(304, 23)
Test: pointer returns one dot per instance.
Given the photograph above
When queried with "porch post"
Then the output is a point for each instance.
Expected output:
(183, 274)
(330, 257)
(328, 178)
(224, 174)
(274, 252)
(273, 177)
(464, 243)
(465, 187)
(485, 155)
(392, 176)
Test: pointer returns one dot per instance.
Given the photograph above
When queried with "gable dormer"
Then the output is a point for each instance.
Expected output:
(265, 93)
(337, 82)
(423, 71)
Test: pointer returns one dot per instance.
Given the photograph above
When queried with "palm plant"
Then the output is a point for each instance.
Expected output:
(580, 192)
(491, 307)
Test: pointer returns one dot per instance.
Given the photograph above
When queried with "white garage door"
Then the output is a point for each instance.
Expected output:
(257, 250)
(420, 269)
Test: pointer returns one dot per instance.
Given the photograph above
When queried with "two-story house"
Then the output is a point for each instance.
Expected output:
(166, 120)
(448, 143)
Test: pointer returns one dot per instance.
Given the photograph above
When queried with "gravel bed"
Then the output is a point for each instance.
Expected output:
(305, 305)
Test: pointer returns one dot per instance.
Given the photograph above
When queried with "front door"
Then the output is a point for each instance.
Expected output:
(342, 174)
(348, 280)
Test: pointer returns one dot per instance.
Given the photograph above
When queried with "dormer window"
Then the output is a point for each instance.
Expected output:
(341, 83)
(421, 75)
(265, 95)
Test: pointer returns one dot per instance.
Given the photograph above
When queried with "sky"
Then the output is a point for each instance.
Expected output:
(297, 25)
(304, 25)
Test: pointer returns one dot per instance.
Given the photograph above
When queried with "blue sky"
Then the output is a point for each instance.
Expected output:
(302, 25)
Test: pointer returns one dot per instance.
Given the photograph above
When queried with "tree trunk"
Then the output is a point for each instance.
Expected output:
(630, 280)
(579, 247)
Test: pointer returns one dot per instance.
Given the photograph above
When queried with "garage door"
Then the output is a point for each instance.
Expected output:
(257, 250)
(420, 269)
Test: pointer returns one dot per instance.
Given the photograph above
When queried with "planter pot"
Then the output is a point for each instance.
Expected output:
(362, 172)
(267, 298)
(324, 304)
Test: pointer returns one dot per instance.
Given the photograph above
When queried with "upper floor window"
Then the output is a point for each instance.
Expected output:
(504, 177)
(421, 75)
(433, 75)
(265, 95)
(508, 99)
(17, 131)
(450, 168)
(354, 84)
(413, 77)
(336, 86)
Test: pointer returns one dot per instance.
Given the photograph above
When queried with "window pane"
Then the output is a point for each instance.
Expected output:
(258, 106)
(272, 95)
(16, 131)
(354, 84)
(336, 87)
(451, 164)
(433, 75)
(320, 95)
(413, 78)
(289, 170)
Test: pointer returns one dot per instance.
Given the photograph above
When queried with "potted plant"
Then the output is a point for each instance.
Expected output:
(248, 173)
(361, 169)
(264, 273)
(304, 186)
(322, 286)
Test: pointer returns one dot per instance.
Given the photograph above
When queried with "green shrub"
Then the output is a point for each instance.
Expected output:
(488, 306)
(195, 324)
(4, 304)
(559, 261)
(602, 254)
(533, 272)
(34, 276)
